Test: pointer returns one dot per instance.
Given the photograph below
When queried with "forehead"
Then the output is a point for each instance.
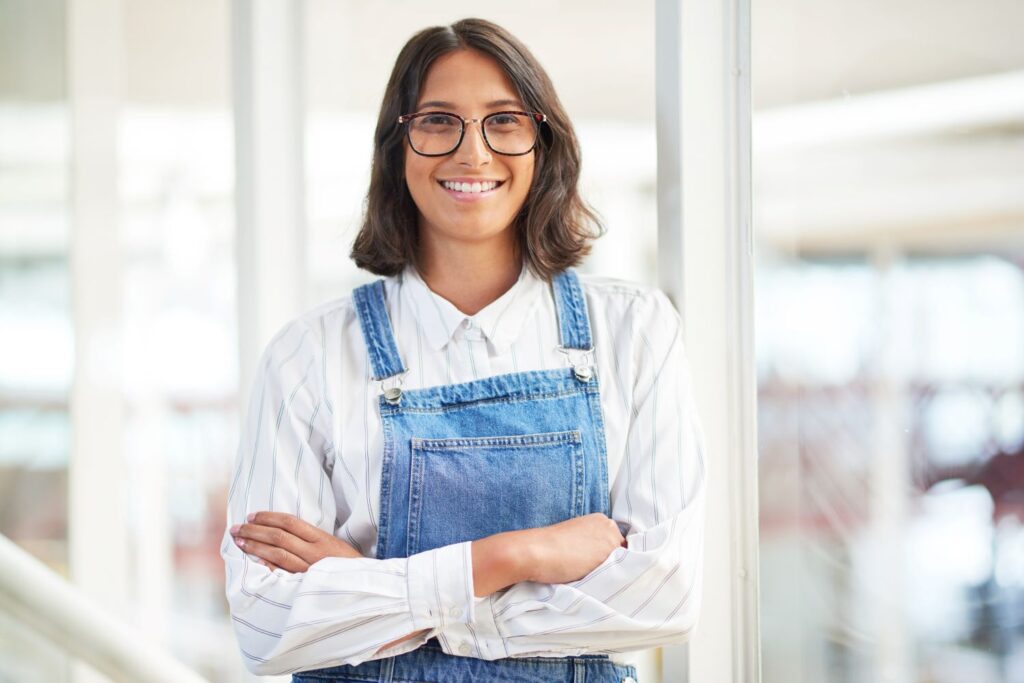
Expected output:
(466, 78)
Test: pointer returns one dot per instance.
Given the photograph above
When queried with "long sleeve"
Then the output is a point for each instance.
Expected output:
(648, 594)
(341, 610)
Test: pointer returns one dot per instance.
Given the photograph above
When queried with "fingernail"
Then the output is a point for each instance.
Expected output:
(250, 516)
(235, 528)
(240, 542)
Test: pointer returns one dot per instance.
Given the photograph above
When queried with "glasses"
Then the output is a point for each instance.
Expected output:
(439, 133)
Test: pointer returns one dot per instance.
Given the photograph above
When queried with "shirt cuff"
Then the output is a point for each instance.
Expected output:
(481, 638)
(441, 586)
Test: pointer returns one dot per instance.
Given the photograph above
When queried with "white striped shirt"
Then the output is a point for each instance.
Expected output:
(312, 445)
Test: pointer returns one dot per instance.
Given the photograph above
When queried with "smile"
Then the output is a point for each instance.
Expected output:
(467, 190)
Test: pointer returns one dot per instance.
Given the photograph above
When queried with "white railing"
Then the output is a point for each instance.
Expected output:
(40, 598)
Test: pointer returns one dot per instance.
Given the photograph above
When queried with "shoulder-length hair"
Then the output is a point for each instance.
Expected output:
(554, 227)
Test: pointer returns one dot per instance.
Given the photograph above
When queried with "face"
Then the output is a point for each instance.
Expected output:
(471, 84)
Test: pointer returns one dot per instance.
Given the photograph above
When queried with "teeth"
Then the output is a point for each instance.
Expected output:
(470, 187)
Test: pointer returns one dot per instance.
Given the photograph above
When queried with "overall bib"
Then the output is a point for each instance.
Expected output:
(469, 460)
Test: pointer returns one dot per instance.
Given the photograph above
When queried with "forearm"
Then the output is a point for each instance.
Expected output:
(538, 555)
(642, 596)
(501, 560)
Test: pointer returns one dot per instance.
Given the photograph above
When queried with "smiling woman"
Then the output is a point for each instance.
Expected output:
(484, 466)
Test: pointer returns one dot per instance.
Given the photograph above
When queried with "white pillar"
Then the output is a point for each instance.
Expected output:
(154, 534)
(97, 526)
(269, 171)
(890, 484)
(706, 264)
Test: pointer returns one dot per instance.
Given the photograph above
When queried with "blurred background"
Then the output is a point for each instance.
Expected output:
(888, 156)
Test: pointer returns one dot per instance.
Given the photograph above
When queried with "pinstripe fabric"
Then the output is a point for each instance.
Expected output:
(319, 453)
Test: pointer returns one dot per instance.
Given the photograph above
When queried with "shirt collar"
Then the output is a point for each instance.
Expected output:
(501, 321)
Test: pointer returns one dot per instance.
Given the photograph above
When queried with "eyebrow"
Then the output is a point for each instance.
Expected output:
(489, 105)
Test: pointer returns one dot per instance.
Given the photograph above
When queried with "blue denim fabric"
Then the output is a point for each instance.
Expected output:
(468, 460)
(428, 663)
(380, 342)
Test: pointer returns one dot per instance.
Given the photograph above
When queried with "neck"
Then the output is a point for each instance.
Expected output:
(472, 275)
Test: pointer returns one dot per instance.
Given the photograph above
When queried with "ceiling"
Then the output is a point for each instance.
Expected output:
(599, 52)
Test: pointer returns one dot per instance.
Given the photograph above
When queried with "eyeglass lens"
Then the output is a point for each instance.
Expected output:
(505, 133)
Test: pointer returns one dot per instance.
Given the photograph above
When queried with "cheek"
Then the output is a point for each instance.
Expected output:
(524, 173)
(417, 176)
(412, 172)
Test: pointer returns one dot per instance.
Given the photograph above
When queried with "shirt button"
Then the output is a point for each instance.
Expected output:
(454, 612)
(467, 323)
(628, 679)
(465, 649)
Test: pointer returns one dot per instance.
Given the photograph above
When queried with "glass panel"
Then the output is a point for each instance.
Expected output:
(176, 185)
(890, 341)
(180, 362)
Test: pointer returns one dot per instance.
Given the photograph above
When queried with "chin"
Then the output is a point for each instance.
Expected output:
(473, 231)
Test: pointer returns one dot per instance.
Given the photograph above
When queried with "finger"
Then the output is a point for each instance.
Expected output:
(274, 555)
(290, 523)
(276, 537)
(327, 546)
(269, 565)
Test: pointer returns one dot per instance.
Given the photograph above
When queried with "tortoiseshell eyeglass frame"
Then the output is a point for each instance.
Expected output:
(537, 117)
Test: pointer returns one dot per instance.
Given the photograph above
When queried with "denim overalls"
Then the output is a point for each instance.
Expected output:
(468, 460)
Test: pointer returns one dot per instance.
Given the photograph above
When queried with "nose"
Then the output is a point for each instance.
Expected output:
(473, 150)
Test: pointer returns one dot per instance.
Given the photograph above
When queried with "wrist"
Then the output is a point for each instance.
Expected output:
(527, 549)
(502, 560)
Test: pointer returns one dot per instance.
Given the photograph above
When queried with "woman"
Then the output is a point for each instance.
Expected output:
(438, 471)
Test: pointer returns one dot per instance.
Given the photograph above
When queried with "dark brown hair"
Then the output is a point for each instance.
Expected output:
(554, 227)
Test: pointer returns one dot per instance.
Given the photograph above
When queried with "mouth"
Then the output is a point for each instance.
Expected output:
(471, 190)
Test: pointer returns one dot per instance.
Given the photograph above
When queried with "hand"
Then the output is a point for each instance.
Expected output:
(279, 539)
(570, 550)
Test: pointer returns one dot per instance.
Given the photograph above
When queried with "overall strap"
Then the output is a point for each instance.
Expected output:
(573, 320)
(377, 332)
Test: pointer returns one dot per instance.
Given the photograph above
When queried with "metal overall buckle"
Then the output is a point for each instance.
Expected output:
(582, 363)
(392, 388)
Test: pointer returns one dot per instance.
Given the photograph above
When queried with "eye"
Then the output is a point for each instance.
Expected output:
(505, 121)
(436, 122)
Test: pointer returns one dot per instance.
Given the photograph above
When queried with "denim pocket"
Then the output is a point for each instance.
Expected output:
(463, 489)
